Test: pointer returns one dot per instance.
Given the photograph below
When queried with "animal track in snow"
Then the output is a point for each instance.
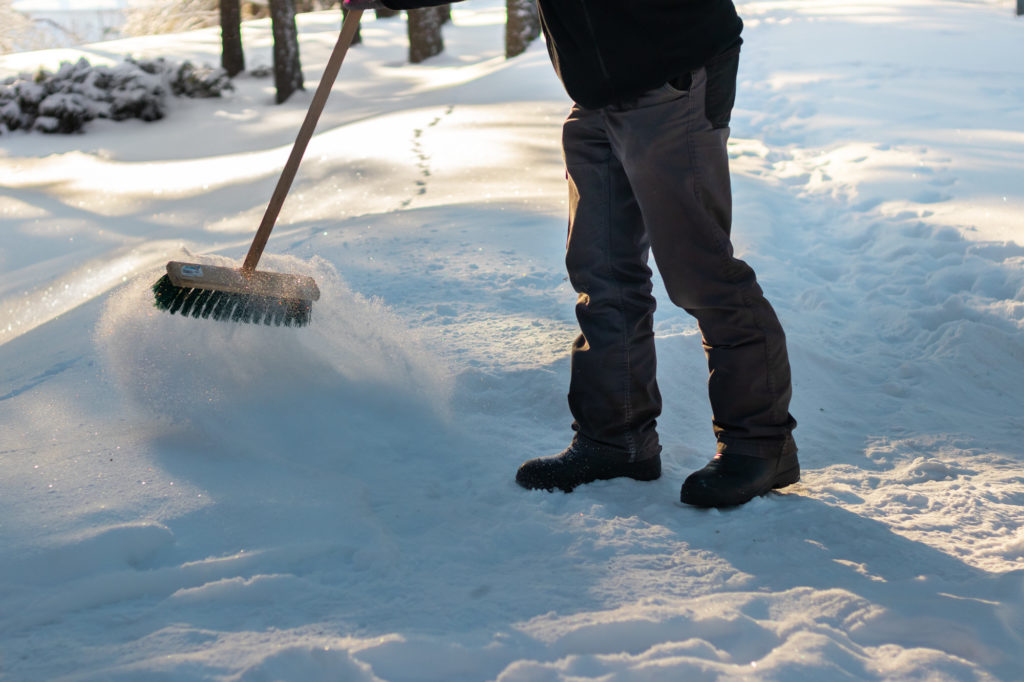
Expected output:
(422, 156)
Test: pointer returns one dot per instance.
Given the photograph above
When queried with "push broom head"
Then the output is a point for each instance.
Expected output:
(221, 293)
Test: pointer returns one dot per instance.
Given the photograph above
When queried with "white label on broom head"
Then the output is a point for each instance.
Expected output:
(191, 271)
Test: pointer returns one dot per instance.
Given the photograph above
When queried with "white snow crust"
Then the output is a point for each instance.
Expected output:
(194, 500)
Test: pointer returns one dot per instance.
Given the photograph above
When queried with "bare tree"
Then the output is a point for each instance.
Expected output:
(357, 38)
(313, 5)
(425, 38)
(522, 26)
(287, 69)
(231, 57)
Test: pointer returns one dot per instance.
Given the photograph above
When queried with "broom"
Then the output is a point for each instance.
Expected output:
(246, 294)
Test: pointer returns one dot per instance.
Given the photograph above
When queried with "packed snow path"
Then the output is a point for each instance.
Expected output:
(186, 500)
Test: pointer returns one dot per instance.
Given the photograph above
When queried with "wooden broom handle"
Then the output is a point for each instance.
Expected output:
(316, 107)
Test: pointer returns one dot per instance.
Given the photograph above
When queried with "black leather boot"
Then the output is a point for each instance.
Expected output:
(579, 464)
(729, 479)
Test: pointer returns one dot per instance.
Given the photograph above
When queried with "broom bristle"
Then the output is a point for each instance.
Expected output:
(233, 307)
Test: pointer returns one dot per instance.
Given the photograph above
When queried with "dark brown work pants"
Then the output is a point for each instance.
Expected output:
(653, 175)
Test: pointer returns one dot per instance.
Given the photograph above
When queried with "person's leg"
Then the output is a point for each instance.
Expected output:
(613, 392)
(673, 149)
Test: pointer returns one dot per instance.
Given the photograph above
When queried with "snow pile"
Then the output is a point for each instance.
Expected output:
(64, 101)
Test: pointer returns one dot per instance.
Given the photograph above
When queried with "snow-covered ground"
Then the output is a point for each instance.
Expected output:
(192, 500)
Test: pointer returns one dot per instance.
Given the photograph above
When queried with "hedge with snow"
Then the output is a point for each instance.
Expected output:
(63, 102)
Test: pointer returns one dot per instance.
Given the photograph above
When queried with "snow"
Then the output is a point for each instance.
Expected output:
(189, 500)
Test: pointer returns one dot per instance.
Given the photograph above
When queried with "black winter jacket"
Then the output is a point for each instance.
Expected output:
(607, 51)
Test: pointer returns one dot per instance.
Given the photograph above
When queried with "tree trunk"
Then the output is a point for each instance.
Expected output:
(522, 26)
(424, 34)
(357, 38)
(313, 5)
(287, 69)
(231, 56)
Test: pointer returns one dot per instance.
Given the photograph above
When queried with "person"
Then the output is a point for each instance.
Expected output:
(653, 84)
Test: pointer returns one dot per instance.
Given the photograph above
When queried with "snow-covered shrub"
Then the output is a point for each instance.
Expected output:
(19, 101)
(143, 96)
(63, 112)
(11, 117)
(261, 71)
(189, 80)
(63, 102)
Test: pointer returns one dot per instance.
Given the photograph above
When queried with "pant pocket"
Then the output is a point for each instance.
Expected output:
(720, 89)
